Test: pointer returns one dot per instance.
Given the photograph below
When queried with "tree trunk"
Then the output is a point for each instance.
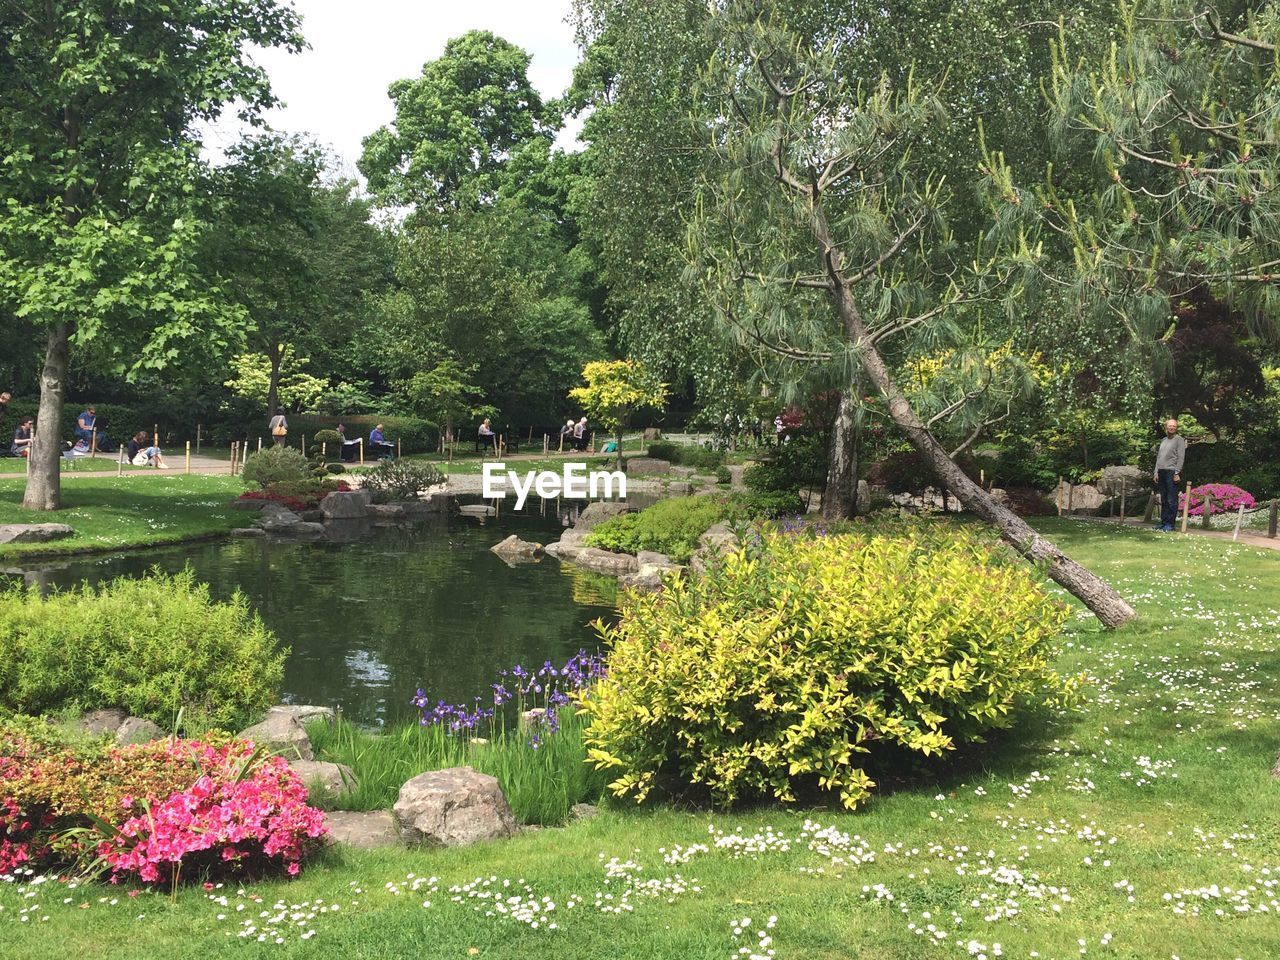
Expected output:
(44, 483)
(275, 355)
(1094, 592)
(840, 495)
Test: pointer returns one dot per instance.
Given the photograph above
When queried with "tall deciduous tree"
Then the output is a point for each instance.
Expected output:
(98, 105)
(825, 197)
(456, 126)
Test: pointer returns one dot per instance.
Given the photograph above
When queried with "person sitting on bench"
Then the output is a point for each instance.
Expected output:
(350, 448)
(381, 447)
(21, 446)
(486, 436)
(95, 439)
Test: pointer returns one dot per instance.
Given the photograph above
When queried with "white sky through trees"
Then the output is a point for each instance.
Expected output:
(336, 91)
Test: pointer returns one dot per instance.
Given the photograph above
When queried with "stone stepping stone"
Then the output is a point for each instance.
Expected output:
(362, 830)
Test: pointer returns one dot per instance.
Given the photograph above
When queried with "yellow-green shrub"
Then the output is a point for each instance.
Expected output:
(772, 672)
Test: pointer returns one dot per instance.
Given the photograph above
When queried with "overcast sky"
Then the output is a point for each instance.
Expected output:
(337, 90)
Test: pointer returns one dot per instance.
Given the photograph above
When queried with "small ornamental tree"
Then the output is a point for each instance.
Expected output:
(615, 389)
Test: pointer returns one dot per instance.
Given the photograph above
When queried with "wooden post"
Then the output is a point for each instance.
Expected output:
(324, 452)
(982, 477)
(93, 442)
(531, 433)
(398, 453)
(259, 444)
(120, 462)
(1124, 488)
(233, 458)
(1059, 496)
(1071, 498)
(304, 444)
(1239, 520)
(188, 456)
(362, 451)
(1208, 509)
(155, 435)
(501, 442)
(1272, 518)
(1151, 507)
(1186, 507)
(199, 429)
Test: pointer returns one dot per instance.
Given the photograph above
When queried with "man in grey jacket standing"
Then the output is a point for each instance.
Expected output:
(1173, 452)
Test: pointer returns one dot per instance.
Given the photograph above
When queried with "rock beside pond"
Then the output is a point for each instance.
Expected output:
(248, 533)
(678, 488)
(33, 532)
(332, 777)
(346, 505)
(648, 467)
(476, 510)
(247, 503)
(365, 831)
(138, 730)
(604, 561)
(598, 512)
(303, 712)
(717, 539)
(583, 811)
(513, 549)
(452, 808)
(282, 735)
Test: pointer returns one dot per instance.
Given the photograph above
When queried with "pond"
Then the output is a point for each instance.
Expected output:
(371, 620)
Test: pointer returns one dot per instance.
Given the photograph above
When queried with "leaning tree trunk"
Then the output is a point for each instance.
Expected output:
(840, 495)
(1094, 592)
(44, 482)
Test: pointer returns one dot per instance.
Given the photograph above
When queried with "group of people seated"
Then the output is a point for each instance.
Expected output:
(379, 446)
(574, 435)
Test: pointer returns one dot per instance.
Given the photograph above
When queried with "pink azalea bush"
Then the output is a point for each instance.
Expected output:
(227, 819)
(157, 812)
(1225, 498)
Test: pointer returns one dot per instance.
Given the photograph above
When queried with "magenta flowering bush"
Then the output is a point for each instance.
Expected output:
(1223, 497)
(243, 813)
(158, 812)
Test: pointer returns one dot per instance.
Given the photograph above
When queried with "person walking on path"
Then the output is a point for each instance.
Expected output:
(1168, 473)
(279, 429)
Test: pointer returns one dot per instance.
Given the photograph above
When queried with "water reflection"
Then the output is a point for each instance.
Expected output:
(374, 613)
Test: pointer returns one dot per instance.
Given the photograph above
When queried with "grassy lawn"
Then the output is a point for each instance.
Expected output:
(100, 464)
(1143, 825)
(110, 513)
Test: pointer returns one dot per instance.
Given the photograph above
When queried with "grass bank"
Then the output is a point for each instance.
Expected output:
(1144, 825)
(116, 513)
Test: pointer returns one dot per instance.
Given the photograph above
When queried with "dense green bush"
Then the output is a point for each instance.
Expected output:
(769, 675)
(151, 646)
(802, 462)
(401, 480)
(669, 526)
(765, 505)
(276, 465)
(723, 475)
(687, 455)
(330, 437)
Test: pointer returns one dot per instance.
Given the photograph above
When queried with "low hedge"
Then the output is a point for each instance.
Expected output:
(687, 455)
(152, 646)
(792, 665)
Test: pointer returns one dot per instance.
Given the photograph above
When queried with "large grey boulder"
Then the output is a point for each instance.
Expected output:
(346, 505)
(100, 723)
(716, 540)
(332, 777)
(452, 808)
(864, 498)
(277, 519)
(604, 561)
(247, 503)
(648, 467)
(1081, 498)
(248, 533)
(515, 550)
(303, 712)
(594, 514)
(647, 577)
(138, 730)
(33, 532)
(280, 734)
(365, 830)
(653, 558)
(1127, 477)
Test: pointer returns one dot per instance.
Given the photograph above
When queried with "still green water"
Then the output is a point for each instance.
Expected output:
(371, 620)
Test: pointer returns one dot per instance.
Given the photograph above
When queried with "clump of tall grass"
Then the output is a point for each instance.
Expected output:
(541, 783)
